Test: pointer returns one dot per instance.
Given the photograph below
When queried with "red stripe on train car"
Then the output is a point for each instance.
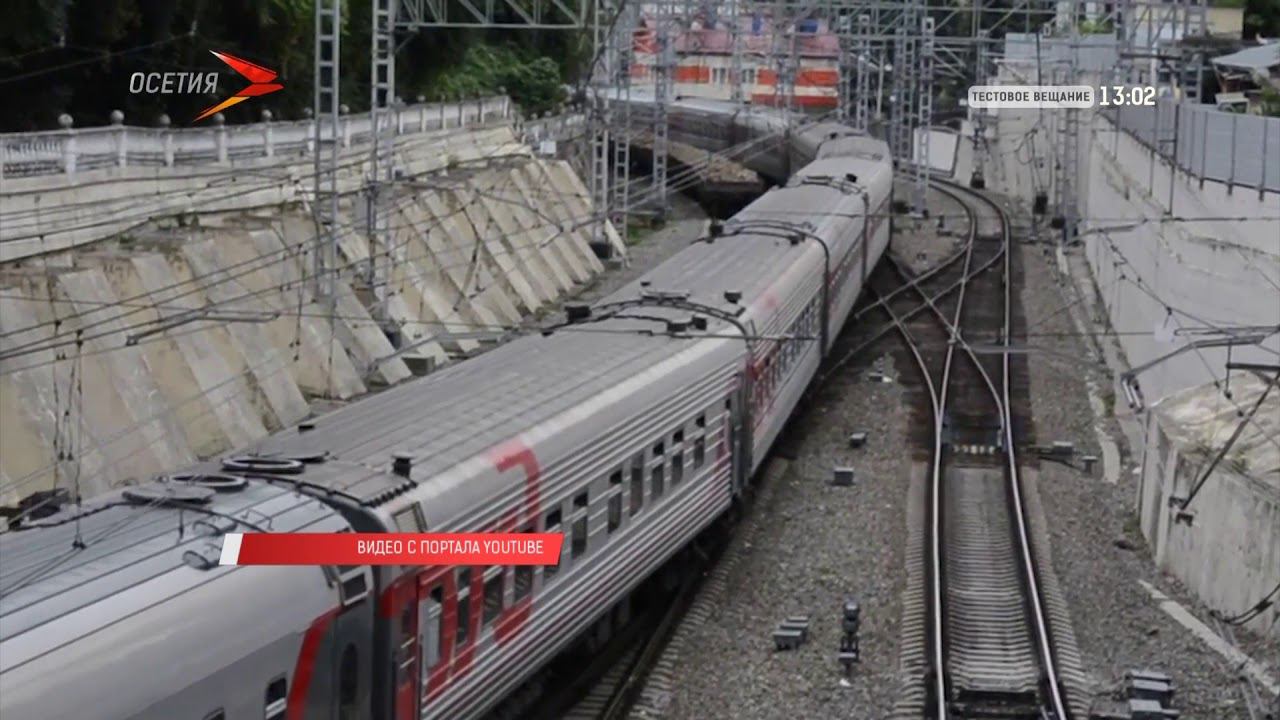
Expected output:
(305, 668)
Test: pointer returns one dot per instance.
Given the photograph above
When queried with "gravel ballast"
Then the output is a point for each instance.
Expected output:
(1098, 552)
(817, 545)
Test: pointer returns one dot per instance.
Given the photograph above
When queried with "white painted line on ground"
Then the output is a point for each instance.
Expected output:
(1242, 662)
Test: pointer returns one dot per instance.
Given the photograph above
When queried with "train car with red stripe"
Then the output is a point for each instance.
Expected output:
(630, 426)
(117, 608)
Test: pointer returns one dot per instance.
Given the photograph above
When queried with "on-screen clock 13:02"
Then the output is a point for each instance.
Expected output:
(1118, 95)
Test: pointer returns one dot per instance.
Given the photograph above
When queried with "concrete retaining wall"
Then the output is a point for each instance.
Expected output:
(1227, 550)
(1173, 257)
(132, 353)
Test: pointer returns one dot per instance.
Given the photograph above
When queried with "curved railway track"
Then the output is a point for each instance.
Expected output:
(990, 641)
(990, 637)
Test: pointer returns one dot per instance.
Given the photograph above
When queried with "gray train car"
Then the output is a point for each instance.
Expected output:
(630, 428)
(118, 609)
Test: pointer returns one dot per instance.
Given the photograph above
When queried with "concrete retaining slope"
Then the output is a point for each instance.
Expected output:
(201, 333)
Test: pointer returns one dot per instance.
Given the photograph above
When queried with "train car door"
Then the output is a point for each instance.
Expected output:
(738, 422)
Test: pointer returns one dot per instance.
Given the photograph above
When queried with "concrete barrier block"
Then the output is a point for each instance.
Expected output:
(30, 406)
(493, 224)
(105, 332)
(210, 401)
(364, 340)
(570, 179)
(268, 370)
(574, 212)
(486, 283)
(532, 231)
(560, 236)
(317, 361)
(422, 285)
(445, 239)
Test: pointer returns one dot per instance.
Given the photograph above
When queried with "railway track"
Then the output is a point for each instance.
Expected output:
(990, 644)
(989, 638)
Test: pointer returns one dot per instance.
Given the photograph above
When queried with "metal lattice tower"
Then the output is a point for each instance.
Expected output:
(382, 89)
(899, 134)
(623, 47)
(1068, 165)
(599, 114)
(324, 206)
(735, 50)
(862, 61)
(847, 67)
(980, 116)
(924, 118)
(661, 100)
(1150, 31)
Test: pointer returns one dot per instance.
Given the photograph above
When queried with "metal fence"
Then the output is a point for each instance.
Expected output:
(70, 150)
(1206, 143)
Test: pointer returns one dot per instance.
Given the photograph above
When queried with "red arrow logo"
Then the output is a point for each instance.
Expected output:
(259, 78)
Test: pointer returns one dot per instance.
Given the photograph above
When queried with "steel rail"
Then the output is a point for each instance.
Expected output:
(1053, 687)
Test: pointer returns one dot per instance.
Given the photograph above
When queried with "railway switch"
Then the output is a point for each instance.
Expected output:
(842, 476)
(857, 440)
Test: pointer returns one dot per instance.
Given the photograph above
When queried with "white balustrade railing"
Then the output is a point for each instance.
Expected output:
(71, 150)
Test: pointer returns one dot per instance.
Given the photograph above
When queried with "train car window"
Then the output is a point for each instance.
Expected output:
(701, 420)
(657, 481)
(276, 699)
(677, 468)
(677, 437)
(406, 653)
(578, 544)
(492, 595)
(409, 520)
(523, 581)
(699, 452)
(216, 715)
(552, 525)
(615, 500)
(658, 450)
(464, 607)
(432, 623)
(348, 682)
(637, 484)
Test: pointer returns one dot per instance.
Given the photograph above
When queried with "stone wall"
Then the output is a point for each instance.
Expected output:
(133, 348)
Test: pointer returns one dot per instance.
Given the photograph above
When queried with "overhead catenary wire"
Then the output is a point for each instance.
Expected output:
(11, 352)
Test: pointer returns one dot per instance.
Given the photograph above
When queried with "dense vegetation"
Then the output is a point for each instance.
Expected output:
(76, 56)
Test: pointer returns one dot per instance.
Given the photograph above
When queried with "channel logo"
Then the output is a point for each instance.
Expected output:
(260, 83)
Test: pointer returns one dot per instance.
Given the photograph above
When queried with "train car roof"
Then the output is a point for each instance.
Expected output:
(455, 414)
(82, 557)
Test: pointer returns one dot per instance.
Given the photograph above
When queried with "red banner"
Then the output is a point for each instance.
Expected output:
(391, 548)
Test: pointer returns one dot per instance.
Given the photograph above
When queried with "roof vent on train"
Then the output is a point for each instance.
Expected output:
(265, 465)
(219, 482)
(163, 493)
(577, 312)
(732, 296)
(402, 464)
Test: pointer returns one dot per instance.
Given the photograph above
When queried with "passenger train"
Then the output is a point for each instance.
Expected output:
(630, 428)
